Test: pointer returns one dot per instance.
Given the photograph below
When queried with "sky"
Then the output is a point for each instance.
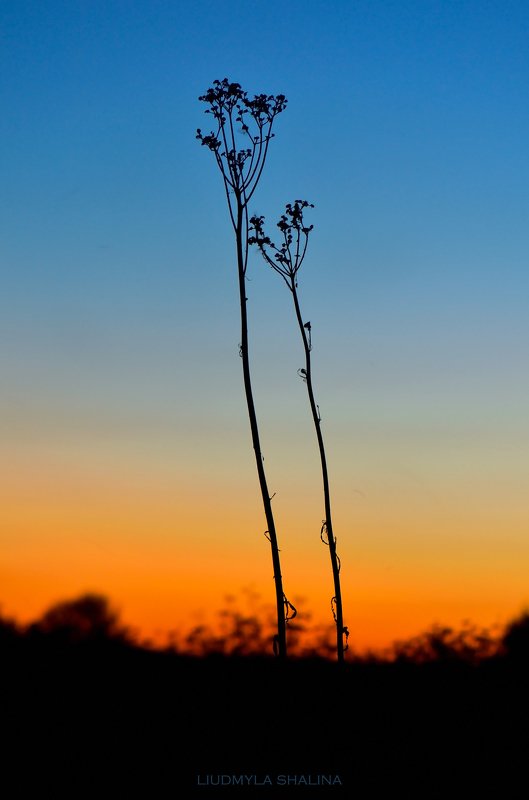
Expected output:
(126, 464)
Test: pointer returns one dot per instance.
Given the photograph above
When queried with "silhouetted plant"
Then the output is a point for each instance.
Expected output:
(442, 644)
(240, 146)
(10, 631)
(88, 618)
(286, 259)
(236, 634)
(515, 641)
(245, 627)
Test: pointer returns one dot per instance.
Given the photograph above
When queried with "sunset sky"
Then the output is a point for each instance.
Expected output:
(126, 461)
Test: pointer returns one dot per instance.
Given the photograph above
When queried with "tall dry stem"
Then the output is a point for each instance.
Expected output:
(286, 259)
(239, 143)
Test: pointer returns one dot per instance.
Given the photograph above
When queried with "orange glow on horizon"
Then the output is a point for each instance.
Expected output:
(166, 549)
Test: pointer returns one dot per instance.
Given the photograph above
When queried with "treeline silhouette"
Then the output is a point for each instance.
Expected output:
(88, 709)
(92, 620)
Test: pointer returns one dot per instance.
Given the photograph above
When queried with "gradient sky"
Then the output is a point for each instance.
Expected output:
(126, 463)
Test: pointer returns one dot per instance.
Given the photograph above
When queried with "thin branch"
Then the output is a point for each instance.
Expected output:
(266, 141)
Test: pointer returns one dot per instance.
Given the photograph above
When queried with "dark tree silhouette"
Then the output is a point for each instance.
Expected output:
(239, 143)
(88, 618)
(286, 259)
(515, 640)
(443, 644)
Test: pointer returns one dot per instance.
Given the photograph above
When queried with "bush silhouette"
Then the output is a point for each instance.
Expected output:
(89, 618)
(442, 644)
(515, 641)
(9, 632)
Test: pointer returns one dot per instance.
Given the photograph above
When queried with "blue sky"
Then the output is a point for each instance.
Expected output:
(407, 126)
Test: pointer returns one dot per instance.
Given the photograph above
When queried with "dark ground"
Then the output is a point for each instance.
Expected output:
(103, 719)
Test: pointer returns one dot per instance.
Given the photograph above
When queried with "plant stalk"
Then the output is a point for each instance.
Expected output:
(327, 524)
(240, 233)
